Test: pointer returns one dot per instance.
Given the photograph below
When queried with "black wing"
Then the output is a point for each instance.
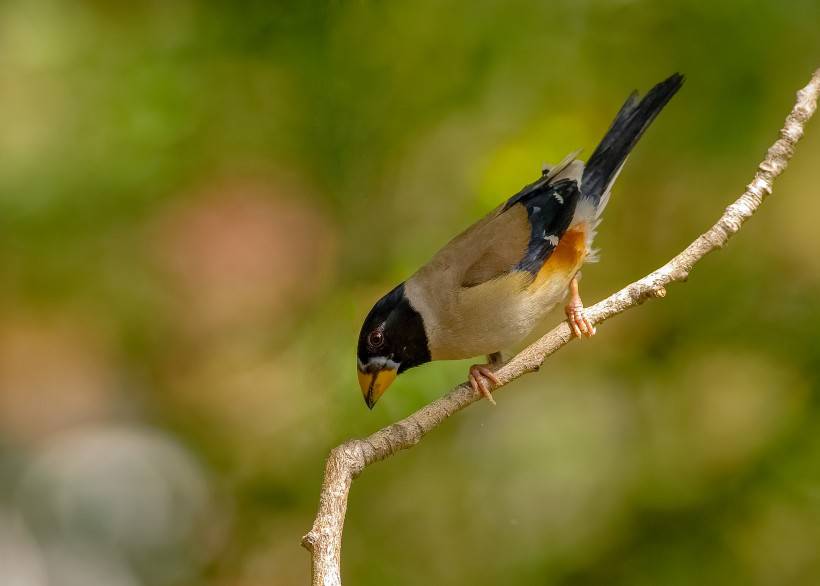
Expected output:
(550, 208)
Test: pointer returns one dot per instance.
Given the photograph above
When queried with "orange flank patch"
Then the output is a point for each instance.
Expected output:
(567, 257)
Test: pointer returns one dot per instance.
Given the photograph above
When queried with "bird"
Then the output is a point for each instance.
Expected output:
(492, 287)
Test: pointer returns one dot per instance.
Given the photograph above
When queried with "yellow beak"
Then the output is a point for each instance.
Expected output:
(374, 384)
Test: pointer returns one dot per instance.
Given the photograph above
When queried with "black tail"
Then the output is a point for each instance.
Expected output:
(633, 119)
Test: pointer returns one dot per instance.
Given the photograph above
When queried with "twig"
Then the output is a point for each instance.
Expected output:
(348, 460)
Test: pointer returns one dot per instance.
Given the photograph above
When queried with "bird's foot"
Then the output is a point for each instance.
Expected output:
(578, 321)
(482, 379)
(576, 316)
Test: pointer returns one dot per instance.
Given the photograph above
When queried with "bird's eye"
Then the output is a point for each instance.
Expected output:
(375, 339)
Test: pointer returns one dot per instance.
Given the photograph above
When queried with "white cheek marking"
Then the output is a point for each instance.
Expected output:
(378, 363)
(559, 198)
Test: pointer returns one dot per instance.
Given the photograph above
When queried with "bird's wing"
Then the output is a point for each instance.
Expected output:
(522, 234)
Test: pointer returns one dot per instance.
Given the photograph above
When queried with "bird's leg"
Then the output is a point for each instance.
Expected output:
(482, 379)
(578, 321)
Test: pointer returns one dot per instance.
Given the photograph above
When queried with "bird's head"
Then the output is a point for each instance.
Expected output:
(391, 341)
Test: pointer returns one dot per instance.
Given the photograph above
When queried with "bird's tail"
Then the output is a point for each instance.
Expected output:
(632, 120)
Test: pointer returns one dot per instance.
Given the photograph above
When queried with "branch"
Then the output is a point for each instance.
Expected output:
(348, 460)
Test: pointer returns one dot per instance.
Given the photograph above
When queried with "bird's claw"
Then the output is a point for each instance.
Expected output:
(578, 321)
(479, 375)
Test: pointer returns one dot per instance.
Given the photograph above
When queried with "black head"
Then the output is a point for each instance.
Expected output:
(391, 341)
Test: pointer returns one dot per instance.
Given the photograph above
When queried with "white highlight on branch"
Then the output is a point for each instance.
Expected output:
(347, 461)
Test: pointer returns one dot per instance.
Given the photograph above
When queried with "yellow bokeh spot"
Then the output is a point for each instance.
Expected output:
(519, 161)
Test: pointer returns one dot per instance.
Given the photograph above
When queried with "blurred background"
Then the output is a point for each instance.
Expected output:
(200, 201)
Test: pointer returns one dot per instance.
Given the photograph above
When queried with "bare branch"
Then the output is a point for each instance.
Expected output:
(348, 460)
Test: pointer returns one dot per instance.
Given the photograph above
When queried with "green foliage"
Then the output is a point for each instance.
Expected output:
(199, 202)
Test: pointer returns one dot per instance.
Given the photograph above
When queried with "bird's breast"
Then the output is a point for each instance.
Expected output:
(500, 313)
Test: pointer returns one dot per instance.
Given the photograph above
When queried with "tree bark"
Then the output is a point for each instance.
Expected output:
(347, 461)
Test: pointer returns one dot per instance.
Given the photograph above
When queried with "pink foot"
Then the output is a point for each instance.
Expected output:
(578, 321)
(482, 379)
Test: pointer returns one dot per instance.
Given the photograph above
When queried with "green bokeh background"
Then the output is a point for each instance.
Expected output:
(200, 201)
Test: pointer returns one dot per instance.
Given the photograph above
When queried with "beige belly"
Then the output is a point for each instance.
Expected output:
(502, 313)
(463, 322)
